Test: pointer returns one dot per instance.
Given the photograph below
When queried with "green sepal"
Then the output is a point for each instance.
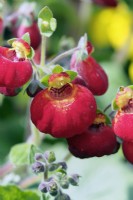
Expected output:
(32, 53)
(47, 24)
(72, 74)
(130, 86)
(114, 105)
(57, 69)
(44, 80)
(45, 14)
(11, 41)
(26, 38)
(106, 116)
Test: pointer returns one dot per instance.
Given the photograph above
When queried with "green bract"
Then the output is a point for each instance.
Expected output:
(26, 38)
(22, 154)
(57, 69)
(114, 105)
(47, 24)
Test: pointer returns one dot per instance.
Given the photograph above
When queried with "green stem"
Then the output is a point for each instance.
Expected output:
(67, 157)
(46, 173)
(43, 51)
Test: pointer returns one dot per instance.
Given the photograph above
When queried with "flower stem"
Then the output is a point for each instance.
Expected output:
(63, 55)
(46, 173)
(43, 51)
(107, 107)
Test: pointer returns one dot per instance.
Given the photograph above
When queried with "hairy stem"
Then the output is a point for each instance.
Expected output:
(43, 51)
(63, 55)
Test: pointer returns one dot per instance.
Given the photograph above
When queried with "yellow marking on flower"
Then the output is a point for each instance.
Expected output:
(59, 80)
(123, 97)
(100, 118)
(22, 48)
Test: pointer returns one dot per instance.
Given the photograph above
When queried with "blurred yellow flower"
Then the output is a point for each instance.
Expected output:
(130, 72)
(113, 26)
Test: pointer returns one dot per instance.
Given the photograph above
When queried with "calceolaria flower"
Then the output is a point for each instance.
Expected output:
(64, 109)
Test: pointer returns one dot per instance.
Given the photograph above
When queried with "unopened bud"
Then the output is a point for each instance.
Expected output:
(74, 179)
(64, 183)
(38, 167)
(53, 167)
(63, 165)
(43, 187)
(49, 156)
(34, 87)
(38, 156)
(53, 188)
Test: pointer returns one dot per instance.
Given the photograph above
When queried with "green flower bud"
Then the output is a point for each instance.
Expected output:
(74, 179)
(50, 156)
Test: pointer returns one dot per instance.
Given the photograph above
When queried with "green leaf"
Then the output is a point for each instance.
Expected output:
(45, 79)
(26, 38)
(33, 150)
(11, 41)
(57, 69)
(14, 193)
(72, 74)
(19, 154)
(32, 53)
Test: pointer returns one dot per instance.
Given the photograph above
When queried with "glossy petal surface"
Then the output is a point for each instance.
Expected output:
(63, 117)
(93, 142)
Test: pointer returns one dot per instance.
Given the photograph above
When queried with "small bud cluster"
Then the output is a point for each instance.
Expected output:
(55, 175)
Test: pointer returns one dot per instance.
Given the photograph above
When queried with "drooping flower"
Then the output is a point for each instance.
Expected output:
(97, 140)
(64, 109)
(15, 68)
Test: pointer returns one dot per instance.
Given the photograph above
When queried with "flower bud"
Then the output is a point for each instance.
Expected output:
(34, 87)
(53, 167)
(74, 179)
(38, 156)
(43, 187)
(63, 165)
(49, 156)
(64, 183)
(53, 188)
(38, 167)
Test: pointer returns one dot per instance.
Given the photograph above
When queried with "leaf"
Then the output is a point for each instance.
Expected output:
(19, 154)
(26, 38)
(72, 74)
(45, 79)
(14, 193)
(33, 150)
(57, 69)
